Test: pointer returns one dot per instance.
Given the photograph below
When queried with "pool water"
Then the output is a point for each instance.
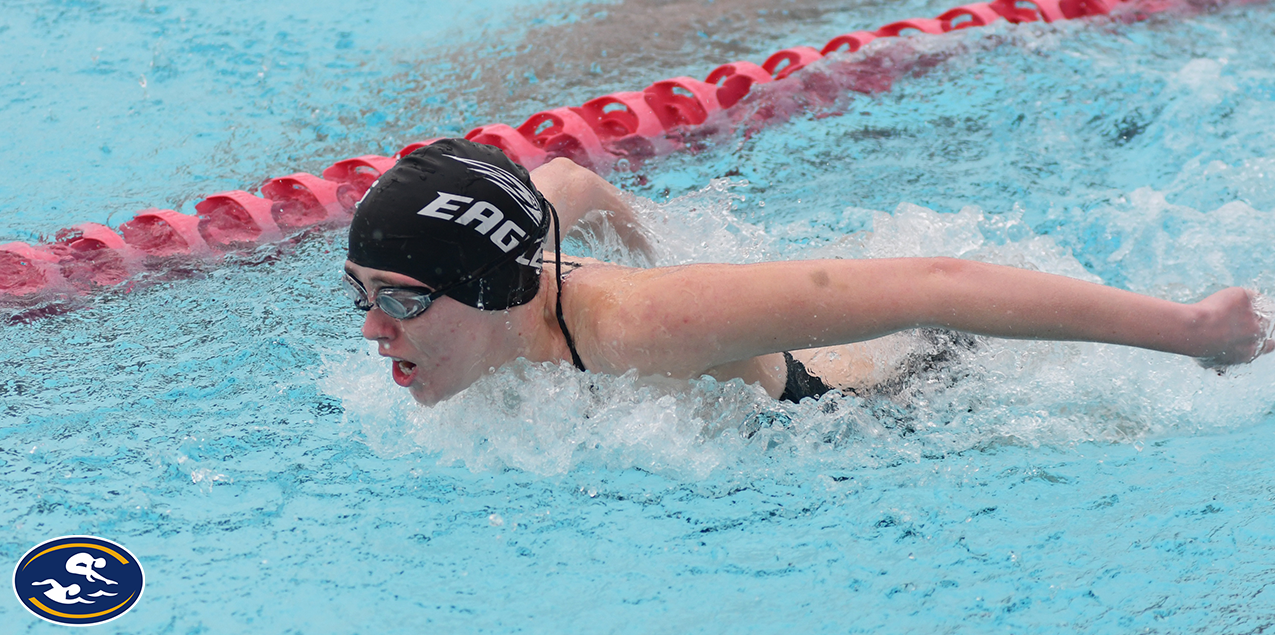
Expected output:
(225, 423)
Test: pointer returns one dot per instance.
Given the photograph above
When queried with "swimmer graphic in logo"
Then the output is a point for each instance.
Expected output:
(78, 580)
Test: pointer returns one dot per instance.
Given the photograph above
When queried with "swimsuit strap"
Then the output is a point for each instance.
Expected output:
(562, 322)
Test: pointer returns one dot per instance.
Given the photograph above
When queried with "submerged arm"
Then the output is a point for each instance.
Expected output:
(685, 320)
(575, 191)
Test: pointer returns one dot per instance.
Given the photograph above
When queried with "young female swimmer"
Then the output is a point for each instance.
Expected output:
(445, 256)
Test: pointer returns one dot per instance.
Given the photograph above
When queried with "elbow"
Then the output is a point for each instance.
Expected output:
(559, 178)
(578, 183)
(564, 165)
(569, 171)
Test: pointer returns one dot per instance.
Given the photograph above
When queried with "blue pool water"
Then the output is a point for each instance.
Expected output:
(230, 429)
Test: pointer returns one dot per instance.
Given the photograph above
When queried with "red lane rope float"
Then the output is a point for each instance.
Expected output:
(360, 172)
(625, 123)
(682, 101)
(25, 269)
(93, 255)
(850, 42)
(970, 15)
(734, 80)
(301, 200)
(596, 134)
(519, 148)
(1047, 10)
(230, 218)
(164, 232)
(789, 61)
(564, 132)
(413, 147)
(924, 25)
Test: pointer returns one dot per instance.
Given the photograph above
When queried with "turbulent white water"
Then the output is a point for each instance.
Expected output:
(549, 419)
(227, 425)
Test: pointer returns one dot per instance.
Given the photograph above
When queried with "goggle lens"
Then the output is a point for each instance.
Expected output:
(396, 302)
(401, 304)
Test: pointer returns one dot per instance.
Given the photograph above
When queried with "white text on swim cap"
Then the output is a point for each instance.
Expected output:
(512, 186)
(488, 216)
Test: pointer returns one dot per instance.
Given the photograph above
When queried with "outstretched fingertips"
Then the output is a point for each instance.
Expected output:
(1264, 309)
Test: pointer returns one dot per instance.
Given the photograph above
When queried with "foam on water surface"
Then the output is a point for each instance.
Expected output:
(227, 425)
(549, 419)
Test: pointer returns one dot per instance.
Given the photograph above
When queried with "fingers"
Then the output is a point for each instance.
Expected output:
(1262, 308)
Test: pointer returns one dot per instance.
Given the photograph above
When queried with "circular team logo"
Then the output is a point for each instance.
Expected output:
(78, 580)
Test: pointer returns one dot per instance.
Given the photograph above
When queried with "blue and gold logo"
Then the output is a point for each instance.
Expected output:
(78, 580)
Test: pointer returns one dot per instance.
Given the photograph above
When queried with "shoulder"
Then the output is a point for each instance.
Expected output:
(589, 284)
(594, 300)
(625, 318)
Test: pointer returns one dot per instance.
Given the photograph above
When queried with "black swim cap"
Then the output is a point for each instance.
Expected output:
(458, 216)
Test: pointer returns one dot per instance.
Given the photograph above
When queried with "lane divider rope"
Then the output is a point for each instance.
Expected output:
(629, 126)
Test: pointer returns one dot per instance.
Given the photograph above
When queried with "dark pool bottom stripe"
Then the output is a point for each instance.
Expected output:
(628, 126)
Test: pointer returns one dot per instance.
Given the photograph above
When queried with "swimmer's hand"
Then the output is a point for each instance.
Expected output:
(1233, 328)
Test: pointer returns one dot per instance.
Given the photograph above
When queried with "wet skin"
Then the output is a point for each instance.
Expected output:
(732, 321)
(685, 322)
(448, 347)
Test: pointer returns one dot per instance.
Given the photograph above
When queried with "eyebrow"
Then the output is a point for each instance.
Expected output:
(349, 272)
(380, 281)
(373, 278)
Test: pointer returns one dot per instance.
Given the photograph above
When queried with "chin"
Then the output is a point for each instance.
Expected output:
(428, 397)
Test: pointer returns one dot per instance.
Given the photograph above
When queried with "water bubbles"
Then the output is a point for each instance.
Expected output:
(702, 227)
(552, 420)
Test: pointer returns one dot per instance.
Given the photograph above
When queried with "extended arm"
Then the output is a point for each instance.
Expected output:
(575, 191)
(686, 320)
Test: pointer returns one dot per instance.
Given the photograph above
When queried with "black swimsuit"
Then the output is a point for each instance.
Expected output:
(801, 383)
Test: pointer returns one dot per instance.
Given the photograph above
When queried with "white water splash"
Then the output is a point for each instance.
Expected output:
(549, 419)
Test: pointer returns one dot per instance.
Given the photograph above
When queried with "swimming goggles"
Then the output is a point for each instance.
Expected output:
(400, 303)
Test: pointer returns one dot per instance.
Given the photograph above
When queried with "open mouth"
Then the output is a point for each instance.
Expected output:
(403, 371)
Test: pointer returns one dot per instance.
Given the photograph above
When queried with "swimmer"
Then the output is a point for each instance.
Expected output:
(83, 564)
(445, 256)
(62, 594)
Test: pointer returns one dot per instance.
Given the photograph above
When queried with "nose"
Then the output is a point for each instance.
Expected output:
(379, 326)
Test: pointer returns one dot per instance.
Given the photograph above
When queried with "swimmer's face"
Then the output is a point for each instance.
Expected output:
(441, 351)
